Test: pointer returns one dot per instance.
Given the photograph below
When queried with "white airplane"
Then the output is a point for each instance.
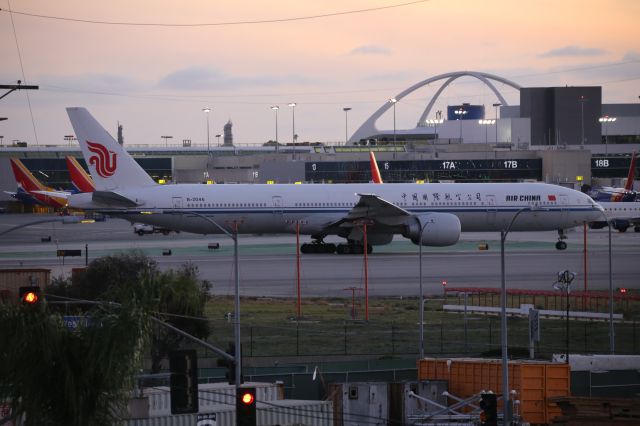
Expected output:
(621, 216)
(440, 211)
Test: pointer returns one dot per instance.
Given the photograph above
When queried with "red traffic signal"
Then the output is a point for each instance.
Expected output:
(623, 290)
(246, 406)
(247, 398)
(29, 295)
(444, 283)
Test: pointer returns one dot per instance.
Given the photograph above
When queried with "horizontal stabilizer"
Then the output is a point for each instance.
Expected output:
(113, 199)
(57, 194)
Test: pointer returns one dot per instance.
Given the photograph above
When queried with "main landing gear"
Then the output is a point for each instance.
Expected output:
(561, 244)
(319, 246)
(353, 248)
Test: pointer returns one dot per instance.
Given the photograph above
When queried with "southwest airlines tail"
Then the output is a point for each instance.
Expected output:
(632, 173)
(628, 186)
(32, 186)
(375, 171)
(80, 179)
(109, 163)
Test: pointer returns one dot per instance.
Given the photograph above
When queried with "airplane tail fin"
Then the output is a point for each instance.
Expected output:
(375, 171)
(628, 186)
(109, 163)
(79, 177)
(31, 189)
(24, 178)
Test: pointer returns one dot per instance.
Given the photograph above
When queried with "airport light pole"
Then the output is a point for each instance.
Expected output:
(460, 112)
(166, 139)
(394, 101)
(346, 124)
(605, 122)
(434, 123)
(276, 108)
(582, 99)
(486, 123)
(496, 106)
(421, 292)
(234, 236)
(218, 136)
(207, 110)
(503, 321)
(293, 126)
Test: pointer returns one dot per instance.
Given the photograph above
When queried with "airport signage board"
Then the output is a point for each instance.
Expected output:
(72, 322)
(69, 253)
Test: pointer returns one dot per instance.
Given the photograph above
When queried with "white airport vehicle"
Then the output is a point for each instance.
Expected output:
(143, 228)
(431, 214)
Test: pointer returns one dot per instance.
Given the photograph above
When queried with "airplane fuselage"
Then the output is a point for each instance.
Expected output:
(277, 208)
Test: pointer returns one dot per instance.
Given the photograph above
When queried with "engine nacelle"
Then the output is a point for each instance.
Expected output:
(440, 229)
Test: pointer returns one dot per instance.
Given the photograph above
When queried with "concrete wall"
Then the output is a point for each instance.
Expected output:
(563, 166)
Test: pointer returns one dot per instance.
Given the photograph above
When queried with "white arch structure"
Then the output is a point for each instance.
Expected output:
(368, 128)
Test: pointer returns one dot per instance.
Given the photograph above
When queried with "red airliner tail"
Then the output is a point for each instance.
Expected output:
(375, 171)
(79, 177)
(30, 184)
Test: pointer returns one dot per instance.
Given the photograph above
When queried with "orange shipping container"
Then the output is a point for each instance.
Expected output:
(534, 381)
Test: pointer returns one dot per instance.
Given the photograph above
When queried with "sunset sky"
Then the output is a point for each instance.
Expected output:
(155, 79)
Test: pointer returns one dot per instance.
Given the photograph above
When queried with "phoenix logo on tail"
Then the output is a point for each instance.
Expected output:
(104, 161)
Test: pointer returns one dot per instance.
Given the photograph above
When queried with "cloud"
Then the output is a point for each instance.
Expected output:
(370, 50)
(573, 51)
(203, 78)
(631, 55)
(195, 78)
(394, 77)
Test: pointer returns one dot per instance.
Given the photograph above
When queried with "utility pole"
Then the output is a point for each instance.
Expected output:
(14, 87)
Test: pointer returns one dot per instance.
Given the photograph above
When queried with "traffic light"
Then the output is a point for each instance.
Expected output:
(246, 407)
(489, 406)
(29, 295)
(622, 290)
(184, 381)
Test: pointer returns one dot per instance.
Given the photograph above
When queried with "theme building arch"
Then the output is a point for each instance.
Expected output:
(368, 128)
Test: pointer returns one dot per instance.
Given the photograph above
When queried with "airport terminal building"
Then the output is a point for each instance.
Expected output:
(561, 135)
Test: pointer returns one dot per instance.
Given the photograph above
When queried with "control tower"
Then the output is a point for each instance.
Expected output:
(228, 135)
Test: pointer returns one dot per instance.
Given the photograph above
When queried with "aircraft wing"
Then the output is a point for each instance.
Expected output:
(113, 199)
(372, 207)
(374, 211)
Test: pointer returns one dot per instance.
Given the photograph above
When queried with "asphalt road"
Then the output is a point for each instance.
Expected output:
(268, 263)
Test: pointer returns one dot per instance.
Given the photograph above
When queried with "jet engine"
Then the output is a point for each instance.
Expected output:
(440, 229)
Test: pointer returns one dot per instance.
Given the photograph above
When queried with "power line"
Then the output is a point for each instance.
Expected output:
(220, 24)
(15, 37)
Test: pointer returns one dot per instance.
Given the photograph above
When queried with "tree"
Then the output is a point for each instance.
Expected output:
(179, 295)
(182, 299)
(52, 375)
(115, 278)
